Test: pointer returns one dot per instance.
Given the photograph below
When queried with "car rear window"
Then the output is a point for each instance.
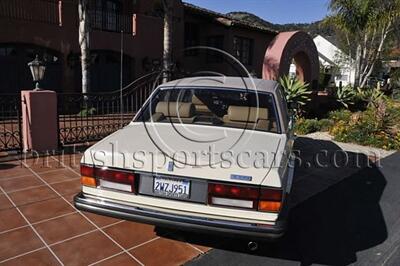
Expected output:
(214, 107)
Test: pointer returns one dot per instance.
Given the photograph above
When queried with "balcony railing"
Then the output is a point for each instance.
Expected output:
(111, 21)
(45, 11)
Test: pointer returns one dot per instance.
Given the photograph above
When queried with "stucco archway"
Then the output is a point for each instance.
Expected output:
(288, 46)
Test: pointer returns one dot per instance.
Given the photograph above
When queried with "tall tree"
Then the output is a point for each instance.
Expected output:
(167, 47)
(366, 26)
(84, 31)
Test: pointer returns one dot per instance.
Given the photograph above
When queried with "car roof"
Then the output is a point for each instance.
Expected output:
(225, 82)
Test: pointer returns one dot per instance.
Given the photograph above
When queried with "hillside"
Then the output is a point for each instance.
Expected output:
(314, 28)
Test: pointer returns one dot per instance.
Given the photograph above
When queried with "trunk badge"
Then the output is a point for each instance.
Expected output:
(241, 177)
(170, 166)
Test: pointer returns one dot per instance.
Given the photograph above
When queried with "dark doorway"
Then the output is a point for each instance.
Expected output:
(105, 71)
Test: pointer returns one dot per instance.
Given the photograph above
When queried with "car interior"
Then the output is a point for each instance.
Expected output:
(227, 108)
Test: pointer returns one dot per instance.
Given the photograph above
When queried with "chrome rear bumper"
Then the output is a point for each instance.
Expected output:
(228, 228)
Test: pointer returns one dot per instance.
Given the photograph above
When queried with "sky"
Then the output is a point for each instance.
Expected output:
(275, 11)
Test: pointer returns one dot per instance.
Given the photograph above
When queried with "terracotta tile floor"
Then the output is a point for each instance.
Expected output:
(40, 226)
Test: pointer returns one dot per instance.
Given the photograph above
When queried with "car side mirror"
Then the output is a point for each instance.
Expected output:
(291, 121)
(292, 114)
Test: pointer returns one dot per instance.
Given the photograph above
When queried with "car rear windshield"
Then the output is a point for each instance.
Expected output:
(214, 107)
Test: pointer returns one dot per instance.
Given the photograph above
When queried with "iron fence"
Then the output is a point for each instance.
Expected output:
(46, 11)
(10, 122)
(92, 116)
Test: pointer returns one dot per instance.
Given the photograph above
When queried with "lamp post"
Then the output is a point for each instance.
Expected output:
(292, 71)
(37, 68)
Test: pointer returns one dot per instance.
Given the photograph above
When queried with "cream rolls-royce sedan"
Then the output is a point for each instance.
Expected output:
(207, 154)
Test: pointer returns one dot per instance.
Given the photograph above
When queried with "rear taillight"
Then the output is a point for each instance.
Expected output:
(87, 176)
(262, 199)
(235, 196)
(270, 200)
(114, 175)
(108, 178)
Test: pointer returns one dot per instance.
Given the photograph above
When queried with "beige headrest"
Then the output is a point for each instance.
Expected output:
(196, 100)
(247, 114)
(175, 109)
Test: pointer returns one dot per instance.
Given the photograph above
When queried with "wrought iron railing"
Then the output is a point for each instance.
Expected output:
(46, 11)
(111, 21)
(10, 122)
(92, 116)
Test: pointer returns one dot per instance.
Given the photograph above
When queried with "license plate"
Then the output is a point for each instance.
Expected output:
(171, 187)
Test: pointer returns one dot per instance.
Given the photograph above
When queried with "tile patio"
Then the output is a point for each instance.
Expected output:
(40, 226)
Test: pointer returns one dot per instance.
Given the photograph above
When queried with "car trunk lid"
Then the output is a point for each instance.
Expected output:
(192, 151)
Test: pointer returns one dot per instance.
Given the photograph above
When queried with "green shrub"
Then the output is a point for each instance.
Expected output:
(87, 112)
(307, 126)
(340, 115)
(374, 127)
(365, 134)
(393, 109)
(325, 124)
(396, 93)
(377, 126)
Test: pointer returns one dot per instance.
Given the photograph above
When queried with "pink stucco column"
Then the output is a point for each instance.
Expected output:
(39, 120)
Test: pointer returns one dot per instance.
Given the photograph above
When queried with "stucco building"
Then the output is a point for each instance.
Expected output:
(50, 28)
(335, 61)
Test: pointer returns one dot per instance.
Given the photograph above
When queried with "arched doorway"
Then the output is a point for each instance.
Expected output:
(288, 47)
(105, 70)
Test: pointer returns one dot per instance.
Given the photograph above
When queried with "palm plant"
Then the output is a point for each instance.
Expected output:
(297, 93)
(366, 26)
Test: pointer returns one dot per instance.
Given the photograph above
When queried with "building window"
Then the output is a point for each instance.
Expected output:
(112, 11)
(216, 41)
(7, 51)
(106, 15)
(243, 50)
(191, 39)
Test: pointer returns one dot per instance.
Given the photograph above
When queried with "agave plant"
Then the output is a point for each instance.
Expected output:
(296, 92)
(345, 96)
(371, 96)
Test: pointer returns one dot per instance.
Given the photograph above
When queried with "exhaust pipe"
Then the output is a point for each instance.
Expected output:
(253, 246)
